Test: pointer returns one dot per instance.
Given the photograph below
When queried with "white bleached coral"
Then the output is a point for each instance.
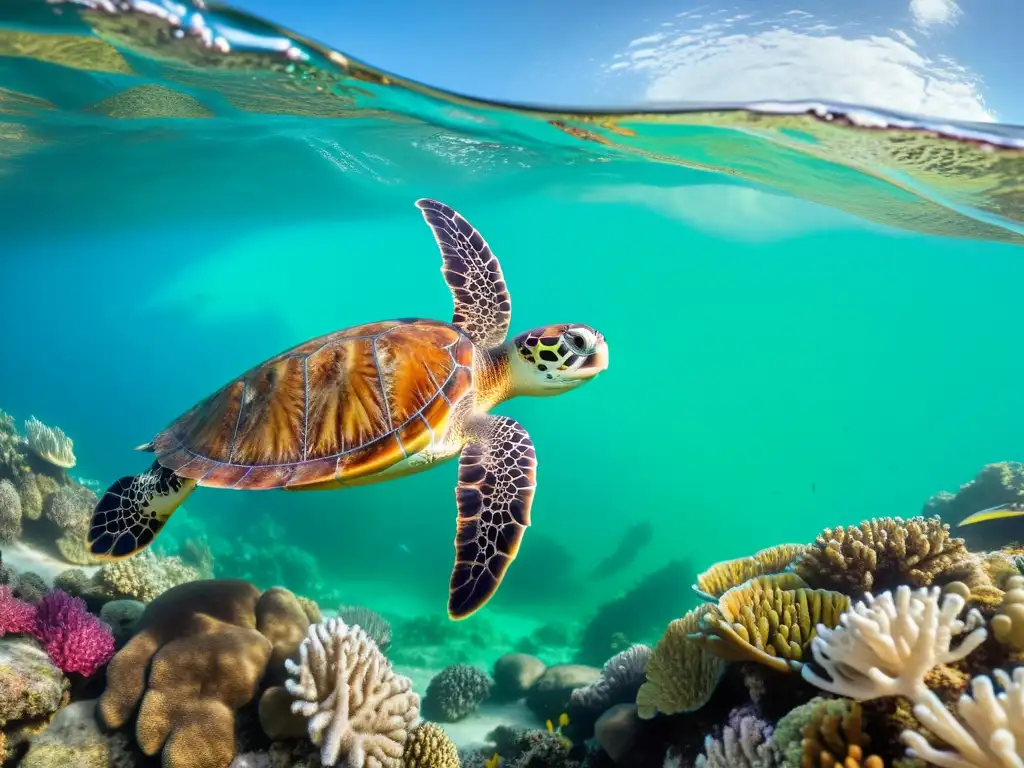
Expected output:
(989, 732)
(50, 443)
(885, 645)
(358, 709)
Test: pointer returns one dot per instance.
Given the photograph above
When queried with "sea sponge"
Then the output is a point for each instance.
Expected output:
(359, 710)
(723, 576)
(886, 645)
(10, 512)
(194, 661)
(455, 692)
(428, 746)
(1008, 623)
(50, 444)
(759, 621)
(881, 553)
(620, 680)
(987, 730)
(681, 674)
(371, 622)
(144, 577)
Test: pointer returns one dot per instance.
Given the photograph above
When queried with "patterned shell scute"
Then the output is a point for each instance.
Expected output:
(345, 405)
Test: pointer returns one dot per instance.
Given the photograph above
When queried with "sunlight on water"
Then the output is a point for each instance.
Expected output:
(810, 307)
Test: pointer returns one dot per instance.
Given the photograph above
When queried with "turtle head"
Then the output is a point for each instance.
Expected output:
(556, 358)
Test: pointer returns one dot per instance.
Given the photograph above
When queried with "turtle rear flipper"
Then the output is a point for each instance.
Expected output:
(134, 510)
(497, 478)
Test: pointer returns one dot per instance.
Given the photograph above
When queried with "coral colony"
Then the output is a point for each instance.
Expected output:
(887, 643)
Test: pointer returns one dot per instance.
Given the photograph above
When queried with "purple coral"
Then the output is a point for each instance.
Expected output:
(746, 742)
(74, 639)
(16, 616)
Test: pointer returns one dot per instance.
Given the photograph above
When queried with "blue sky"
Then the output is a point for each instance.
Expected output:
(950, 58)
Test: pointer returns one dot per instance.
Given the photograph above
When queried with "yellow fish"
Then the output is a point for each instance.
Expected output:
(493, 762)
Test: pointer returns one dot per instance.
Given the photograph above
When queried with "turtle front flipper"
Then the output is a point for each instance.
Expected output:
(497, 479)
(483, 308)
(134, 510)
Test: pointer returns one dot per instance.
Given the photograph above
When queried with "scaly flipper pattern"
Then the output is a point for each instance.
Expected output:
(134, 510)
(497, 480)
(483, 308)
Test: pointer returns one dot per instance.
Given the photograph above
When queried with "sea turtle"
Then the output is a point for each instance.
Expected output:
(372, 403)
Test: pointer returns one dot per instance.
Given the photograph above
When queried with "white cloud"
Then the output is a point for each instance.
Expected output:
(730, 212)
(929, 13)
(802, 59)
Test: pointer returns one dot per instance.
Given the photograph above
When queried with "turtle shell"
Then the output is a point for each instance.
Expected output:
(339, 407)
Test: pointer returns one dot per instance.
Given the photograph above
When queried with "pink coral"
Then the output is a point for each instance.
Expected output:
(75, 640)
(16, 617)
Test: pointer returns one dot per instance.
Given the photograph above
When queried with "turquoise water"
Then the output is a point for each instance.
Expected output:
(810, 321)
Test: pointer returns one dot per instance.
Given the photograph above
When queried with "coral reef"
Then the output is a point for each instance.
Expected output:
(886, 645)
(455, 692)
(1008, 623)
(50, 444)
(879, 554)
(995, 485)
(428, 746)
(144, 577)
(10, 512)
(681, 674)
(359, 710)
(621, 678)
(196, 659)
(723, 576)
(763, 622)
(746, 742)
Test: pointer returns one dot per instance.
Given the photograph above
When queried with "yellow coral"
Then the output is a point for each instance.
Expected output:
(681, 675)
(731, 573)
(1008, 623)
(50, 444)
(428, 746)
(145, 576)
(763, 621)
(880, 554)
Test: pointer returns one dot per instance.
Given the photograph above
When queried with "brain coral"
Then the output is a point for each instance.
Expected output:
(455, 692)
(881, 554)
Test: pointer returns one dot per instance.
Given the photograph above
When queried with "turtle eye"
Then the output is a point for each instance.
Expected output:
(577, 342)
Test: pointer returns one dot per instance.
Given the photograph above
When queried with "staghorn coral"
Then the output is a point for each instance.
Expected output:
(759, 621)
(455, 692)
(886, 645)
(50, 444)
(359, 710)
(723, 576)
(371, 622)
(986, 732)
(195, 660)
(10, 512)
(428, 746)
(681, 674)
(143, 577)
(881, 553)
(621, 678)
(1008, 623)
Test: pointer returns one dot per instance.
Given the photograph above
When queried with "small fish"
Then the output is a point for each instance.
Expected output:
(493, 762)
(998, 512)
(405, 549)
